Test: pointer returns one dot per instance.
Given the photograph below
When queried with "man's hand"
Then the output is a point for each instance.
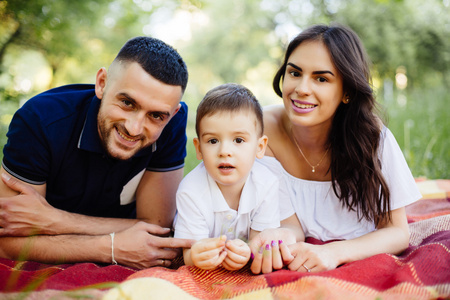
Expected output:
(141, 247)
(208, 253)
(238, 254)
(27, 213)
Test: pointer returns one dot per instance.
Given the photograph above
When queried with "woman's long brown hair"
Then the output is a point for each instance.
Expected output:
(355, 133)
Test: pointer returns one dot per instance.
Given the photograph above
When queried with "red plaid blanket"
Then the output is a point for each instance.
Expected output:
(420, 272)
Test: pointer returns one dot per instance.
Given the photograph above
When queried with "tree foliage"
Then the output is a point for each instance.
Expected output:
(238, 36)
(57, 28)
(82, 32)
(233, 41)
(414, 34)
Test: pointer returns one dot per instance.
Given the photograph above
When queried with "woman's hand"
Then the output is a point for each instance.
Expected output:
(312, 258)
(270, 251)
(271, 257)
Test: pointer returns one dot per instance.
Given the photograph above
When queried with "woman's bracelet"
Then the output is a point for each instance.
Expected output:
(112, 248)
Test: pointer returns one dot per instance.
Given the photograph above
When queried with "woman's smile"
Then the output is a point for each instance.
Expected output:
(302, 106)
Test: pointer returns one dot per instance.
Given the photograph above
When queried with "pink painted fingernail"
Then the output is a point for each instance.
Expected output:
(273, 243)
(260, 250)
(280, 242)
(267, 247)
(252, 256)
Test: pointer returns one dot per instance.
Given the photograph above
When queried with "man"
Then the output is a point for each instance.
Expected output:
(90, 161)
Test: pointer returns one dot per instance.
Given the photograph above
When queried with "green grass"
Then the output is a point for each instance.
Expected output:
(422, 129)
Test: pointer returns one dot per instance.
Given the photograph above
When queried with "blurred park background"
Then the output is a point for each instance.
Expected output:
(47, 43)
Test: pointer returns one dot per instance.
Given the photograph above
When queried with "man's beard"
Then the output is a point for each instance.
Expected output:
(107, 140)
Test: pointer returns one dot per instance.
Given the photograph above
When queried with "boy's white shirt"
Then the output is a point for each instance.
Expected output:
(202, 211)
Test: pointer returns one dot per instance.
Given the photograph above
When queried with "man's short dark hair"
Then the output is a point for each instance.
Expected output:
(157, 58)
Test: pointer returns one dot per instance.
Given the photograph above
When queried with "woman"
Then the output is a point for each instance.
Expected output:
(346, 178)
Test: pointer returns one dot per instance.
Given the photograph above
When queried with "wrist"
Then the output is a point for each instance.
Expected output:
(64, 222)
(105, 249)
(187, 257)
(338, 251)
(59, 223)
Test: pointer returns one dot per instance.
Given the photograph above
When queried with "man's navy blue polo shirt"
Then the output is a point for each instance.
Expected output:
(54, 139)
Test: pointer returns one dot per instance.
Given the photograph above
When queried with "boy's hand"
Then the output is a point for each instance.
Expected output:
(238, 254)
(208, 253)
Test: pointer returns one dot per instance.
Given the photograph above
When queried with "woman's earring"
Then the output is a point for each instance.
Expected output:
(346, 100)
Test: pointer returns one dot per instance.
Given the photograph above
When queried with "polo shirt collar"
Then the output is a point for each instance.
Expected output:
(247, 202)
(89, 138)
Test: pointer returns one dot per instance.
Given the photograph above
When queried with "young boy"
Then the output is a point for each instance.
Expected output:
(228, 198)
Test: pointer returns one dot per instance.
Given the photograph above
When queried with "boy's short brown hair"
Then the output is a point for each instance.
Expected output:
(229, 97)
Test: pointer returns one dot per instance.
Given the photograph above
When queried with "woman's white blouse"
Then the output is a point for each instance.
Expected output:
(319, 210)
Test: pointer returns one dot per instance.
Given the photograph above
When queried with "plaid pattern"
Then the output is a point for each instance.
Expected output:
(421, 272)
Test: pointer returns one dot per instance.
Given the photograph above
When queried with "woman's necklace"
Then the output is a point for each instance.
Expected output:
(301, 152)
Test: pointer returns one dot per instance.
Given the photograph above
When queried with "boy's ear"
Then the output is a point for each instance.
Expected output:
(198, 151)
(100, 82)
(262, 145)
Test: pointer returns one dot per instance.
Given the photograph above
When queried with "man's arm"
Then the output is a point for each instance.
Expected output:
(137, 246)
(24, 211)
(76, 238)
(155, 197)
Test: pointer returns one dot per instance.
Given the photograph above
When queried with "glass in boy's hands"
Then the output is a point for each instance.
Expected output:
(238, 254)
(209, 253)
